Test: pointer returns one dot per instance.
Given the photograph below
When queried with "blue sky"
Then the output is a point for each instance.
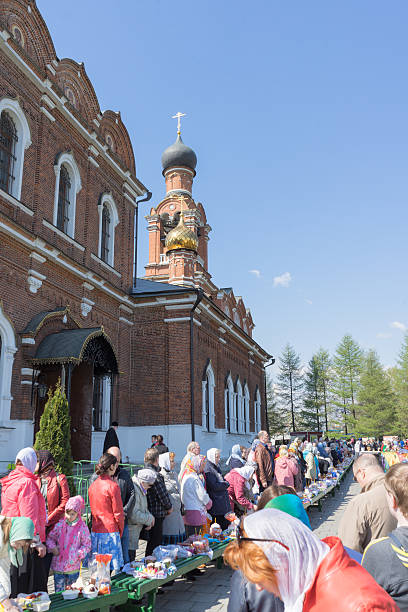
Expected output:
(298, 114)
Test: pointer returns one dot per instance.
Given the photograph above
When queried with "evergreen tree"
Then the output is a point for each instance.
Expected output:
(290, 382)
(325, 378)
(310, 415)
(347, 364)
(55, 432)
(376, 400)
(400, 377)
(277, 415)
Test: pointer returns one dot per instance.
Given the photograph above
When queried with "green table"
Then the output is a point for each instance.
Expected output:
(117, 597)
(138, 587)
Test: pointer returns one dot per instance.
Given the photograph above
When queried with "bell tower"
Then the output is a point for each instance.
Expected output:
(177, 226)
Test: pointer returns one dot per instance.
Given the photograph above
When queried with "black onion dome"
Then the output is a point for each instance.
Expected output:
(178, 154)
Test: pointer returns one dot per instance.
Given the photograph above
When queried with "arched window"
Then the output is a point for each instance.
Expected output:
(15, 138)
(64, 194)
(108, 220)
(239, 407)
(8, 142)
(105, 234)
(246, 409)
(208, 410)
(7, 350)
(68, 185)
(229, 403)
(237, 319)
(257, 411)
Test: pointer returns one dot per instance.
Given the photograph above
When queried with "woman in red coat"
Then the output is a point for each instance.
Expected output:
(108, 518)
(239, 489)
(54, 488)
(280, 554)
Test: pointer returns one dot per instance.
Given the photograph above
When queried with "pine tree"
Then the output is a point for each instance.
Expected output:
(55, 432)
(277, 415)
(290, 382)
(376, 400)
(347, 364)
(401, 387)
(310, 415)
(325, 379)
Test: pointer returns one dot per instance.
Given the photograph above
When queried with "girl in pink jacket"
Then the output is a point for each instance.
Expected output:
(69, 542)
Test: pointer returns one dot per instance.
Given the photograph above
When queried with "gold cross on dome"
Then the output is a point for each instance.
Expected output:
(183, 200)
(178, 116)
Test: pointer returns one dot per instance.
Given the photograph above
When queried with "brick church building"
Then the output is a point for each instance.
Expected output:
(169, 353)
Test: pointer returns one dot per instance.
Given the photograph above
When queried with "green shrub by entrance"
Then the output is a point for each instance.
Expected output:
(55, 433)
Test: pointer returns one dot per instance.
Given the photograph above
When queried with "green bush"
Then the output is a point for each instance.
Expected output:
(55, 433)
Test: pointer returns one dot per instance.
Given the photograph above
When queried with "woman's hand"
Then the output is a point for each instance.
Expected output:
(41, 550)
(55, 551)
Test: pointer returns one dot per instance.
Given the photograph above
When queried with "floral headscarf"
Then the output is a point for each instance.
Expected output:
(194, 465)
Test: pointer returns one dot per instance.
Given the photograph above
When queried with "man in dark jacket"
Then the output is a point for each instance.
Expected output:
(127, 493)
(111, 438)
(158, 501)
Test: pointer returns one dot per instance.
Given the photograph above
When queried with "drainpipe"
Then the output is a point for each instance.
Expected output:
(272, 361)
(135, 224)
(200, 295)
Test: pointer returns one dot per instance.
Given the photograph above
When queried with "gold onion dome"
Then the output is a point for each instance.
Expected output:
(181, 237)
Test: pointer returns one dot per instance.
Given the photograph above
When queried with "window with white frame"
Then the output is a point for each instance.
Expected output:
(208, 409)
(68, 185)
(246, 409)
(8, 348)
(229, 400)
(15, 138)
(257, 411)
(239, 407)
(108, 220)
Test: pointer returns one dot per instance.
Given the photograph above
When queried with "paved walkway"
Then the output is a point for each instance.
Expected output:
(210, 592)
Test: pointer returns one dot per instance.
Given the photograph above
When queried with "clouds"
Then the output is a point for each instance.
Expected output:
(256, 273)
(283, 280)
(383, 336)
(309, 302)
(398, 325)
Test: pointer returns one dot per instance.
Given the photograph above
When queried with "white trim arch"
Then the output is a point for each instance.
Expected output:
(208, 408)
(107, 199)
(8, 349)
(67, 160)
(246, 409)
(229, 403)
(257, 411)
(13, 108)
(239, 407)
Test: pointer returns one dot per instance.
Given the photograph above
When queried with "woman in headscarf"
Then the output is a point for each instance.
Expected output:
(193, 494)
(235, 460)
(54, 488)
(20, 496)
(239, 489)
(285, 468)
(140, 516)
(16, 534)
(298, 477)
(217, 488)
(193, 449)
(173, 524)
(308, 456)
(281, 555)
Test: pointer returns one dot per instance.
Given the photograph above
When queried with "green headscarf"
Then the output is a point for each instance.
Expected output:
(291, 504)
(22, 528)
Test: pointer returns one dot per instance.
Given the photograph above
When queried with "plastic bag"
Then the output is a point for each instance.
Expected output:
(166, 552)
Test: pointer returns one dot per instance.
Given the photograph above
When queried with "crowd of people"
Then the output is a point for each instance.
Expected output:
(279, 562)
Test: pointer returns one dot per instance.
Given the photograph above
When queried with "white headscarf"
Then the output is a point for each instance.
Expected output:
(309, 447)
(164, 461)
(296, 567)
(236, 454)
(28, 458)
(211, 454)
(246, 471)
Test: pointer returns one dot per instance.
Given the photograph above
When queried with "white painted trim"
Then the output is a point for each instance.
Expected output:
(173, 169)
(176, 320)
(208, 376)
(93, 161)
(163, 302)
(105, 265)
(222, 340)
(28, 341)
(124, 320)
(60, 233)
(26, 382)
(27, 371)
(7, 352)
(47, 114)
(16, 202)
(13, 108)
(38, 257)
(67, 159)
